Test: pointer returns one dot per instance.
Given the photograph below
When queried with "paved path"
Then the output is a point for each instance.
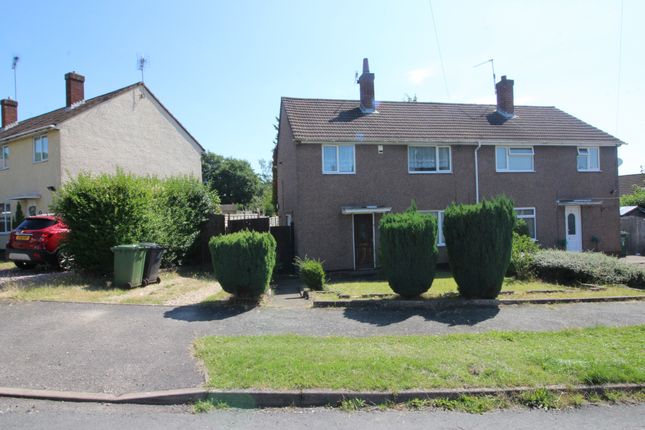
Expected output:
(126, 348)
(25, 414)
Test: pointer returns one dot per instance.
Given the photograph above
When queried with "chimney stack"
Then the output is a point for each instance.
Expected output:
(9, 112)
(74, 88)
(504, 90)
(366, 82)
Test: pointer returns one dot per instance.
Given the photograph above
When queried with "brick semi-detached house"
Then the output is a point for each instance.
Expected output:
(342, 164)
(126, 129)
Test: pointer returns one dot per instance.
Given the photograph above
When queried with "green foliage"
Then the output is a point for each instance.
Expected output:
(585, 267)
(243, 262)
(102, 212)
(19, 216)
(636, 198)
(521, 227)
(311, 272)
(524, 248)
(107, 210)
(479, 240)
(539, 399)
(408, 251)
(353, 404)
(180, 207)
(234, 180)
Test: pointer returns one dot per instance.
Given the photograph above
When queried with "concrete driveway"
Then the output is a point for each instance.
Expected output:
(127, 348)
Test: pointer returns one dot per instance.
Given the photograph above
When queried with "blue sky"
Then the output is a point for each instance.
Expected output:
(221, 67)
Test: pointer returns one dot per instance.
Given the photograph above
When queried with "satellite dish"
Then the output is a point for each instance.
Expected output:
(620, 162)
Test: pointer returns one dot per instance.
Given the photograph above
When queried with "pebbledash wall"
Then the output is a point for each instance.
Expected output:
(314, 200)
(131, 131)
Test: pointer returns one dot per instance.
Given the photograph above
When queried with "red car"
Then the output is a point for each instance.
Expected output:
(38, 240)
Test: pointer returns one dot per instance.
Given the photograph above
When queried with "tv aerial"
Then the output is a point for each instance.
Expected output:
(142, 62)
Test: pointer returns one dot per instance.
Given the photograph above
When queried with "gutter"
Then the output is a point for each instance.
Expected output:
(479, 145)
(28, 133)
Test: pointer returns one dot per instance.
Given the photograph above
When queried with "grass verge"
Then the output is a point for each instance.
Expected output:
(444, 286)
(182, 287)
(390, 363)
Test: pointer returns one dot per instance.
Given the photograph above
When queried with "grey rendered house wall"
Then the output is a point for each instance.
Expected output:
(383, 179)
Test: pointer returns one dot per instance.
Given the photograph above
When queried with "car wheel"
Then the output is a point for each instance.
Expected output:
(64, 260)
(24, 265)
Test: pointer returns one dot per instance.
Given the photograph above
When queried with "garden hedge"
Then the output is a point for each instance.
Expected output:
(479, 238)
(311, 272)
(408, 251)
(107, 210)
(243, 262)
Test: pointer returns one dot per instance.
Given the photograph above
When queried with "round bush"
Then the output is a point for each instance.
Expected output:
(243, 262)
(479, 239)
(408, 252)
(311, 273)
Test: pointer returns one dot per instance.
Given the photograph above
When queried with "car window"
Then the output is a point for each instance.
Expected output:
(35, 224)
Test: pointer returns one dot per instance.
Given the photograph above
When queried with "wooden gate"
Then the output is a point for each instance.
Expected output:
(285, 249)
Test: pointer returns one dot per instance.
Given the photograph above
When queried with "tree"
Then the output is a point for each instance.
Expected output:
(636, 198)
(233, 179)
(19, 216)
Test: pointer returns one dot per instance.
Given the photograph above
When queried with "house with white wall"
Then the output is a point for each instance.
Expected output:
(127, 129)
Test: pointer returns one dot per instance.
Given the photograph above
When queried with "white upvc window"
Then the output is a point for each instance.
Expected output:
(514, 158)
(41, 149)
(5, 218)
(439, 215)
(4, 157)
(338, 159)
(528, 215)
(429, 159)
(588, 159)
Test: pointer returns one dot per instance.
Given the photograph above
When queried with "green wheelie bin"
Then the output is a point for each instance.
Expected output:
(129, 261)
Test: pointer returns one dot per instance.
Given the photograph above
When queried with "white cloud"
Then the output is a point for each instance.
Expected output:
(419, 76)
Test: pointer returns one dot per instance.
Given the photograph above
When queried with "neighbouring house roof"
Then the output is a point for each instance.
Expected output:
(58, 116)
(626, 183)
(632, 210)
(324, 120)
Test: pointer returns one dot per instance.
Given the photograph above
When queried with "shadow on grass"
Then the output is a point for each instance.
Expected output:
(469, 316)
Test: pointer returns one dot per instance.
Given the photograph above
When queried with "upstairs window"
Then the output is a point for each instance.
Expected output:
(4, 157)
(514, 159)
(429, 159)
(588, 159)
(5, 218)
(41, 149)
(528, 216)
(439, 215)
(338, 159)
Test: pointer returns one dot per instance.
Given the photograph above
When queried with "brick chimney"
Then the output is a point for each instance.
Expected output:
(504, 90)
(366, 82)
(9, 112)
(74, 88)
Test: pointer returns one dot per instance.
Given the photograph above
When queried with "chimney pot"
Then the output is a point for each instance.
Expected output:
(366, 83)
(505, 103)
(74, 88)
(9, 112)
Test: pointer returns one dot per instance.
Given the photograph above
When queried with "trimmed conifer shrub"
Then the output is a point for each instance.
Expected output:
(243, 262)
(408, 251)
(311, 272)
(479, 239)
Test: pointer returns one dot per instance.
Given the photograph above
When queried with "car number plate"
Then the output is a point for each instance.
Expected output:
(22, 237)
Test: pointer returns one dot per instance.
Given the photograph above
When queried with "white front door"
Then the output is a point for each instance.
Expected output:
(573, 228)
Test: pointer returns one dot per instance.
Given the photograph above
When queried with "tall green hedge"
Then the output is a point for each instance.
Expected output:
(107, 210)
(479, 239)
(243, 262)
(408, 251)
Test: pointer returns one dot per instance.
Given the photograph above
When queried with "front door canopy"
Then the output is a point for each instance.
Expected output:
(579, 202)
(358, 210)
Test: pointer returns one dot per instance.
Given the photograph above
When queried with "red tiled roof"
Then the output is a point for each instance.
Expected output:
(59, 115)
(324, 120)
(626, 183)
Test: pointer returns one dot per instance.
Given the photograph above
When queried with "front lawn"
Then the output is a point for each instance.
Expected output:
(390, 363)
(176, 288)
(444, 286)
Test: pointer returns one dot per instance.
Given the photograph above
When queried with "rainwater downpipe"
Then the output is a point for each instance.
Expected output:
(479, 145)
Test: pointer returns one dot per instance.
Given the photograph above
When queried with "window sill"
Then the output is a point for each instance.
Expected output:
(4, 168)
(338, 173)
(40, 162)
(515, 171)
(590, 171)
(443, 172)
